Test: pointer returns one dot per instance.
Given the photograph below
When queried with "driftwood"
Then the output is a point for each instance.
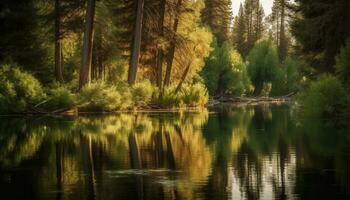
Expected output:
(214, 101)
(62, 111)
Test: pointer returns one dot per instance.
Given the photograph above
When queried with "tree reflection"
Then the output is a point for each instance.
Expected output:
(248, 153)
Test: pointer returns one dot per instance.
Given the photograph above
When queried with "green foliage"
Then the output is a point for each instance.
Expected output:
(125, 95)
(326, 96)
(321, 29)
(286, 79)
(142, 92)
(279, 82)
(99, 96)
(217, 15)
(292, 73)
(60, 97)
(194, 95)
(262, 64)
(225, 72)
(343, 64)
(190, 95)
(169, 99)
(18, 90)
(23, 38)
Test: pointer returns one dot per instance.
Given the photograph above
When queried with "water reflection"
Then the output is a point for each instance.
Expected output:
(230, 153)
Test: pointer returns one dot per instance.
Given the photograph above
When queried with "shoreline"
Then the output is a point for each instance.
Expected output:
(212, 103)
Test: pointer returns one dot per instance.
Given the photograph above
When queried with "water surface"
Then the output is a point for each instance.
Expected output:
(264, 152)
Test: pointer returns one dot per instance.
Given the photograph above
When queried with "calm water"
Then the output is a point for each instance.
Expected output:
(231, 153)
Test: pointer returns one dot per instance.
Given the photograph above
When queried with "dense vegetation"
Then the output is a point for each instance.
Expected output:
(122, 55)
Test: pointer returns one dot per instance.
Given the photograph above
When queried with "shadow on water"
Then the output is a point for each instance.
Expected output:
(229, 153)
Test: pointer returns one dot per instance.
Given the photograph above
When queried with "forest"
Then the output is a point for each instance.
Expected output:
(115, 55)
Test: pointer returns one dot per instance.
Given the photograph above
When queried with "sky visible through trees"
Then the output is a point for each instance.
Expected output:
(267, 5)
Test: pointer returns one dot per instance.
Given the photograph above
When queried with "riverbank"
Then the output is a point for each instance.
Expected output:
(212, 102)
(250, 101)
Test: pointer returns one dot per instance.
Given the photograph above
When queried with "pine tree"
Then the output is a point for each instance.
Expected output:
(254, 15)
(239, 30)
(321, 29)
(278, 19)
(86, 60)
(135, 53)
(217, 15)
(249, 26)
(58, 43)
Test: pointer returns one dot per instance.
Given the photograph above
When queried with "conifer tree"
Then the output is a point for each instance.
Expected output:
(239, 30)
(249, 26)
(217, 15)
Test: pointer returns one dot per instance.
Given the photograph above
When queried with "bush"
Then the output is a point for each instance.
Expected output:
(326, 96)
(142, 93)
(190, 95)
(225, 72)
(262, 64)
(286, 78)
(343, 64)
(278, 83)
(194, 95)
(126, 97)
(169, 99)
(99, 96)
(292, 73)
(60, 97)
(18, 90)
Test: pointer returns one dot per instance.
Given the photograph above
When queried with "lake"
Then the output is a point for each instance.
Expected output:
(263, 152)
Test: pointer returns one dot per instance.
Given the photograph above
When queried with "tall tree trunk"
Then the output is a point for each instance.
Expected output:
(185, 73)
(85, 68)
(160, 53)
(171, 54)
(135, 53)
(58, 47)
(183, 77)
(282, 48)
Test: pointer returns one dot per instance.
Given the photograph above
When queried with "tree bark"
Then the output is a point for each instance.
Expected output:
(171, 54)
(282, 48)
(58, 47)
(135, 53)
(160, 53)
(85, 68)
(183, 78)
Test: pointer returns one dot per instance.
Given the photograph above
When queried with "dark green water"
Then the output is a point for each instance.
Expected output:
(231, 153)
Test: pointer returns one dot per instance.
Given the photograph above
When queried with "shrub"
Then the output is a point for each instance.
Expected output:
(279, 83)
(99, 96)
(292, 74)
(142, 93)
(326, 96)
(18, 90)
(225, 72)
(343, 64)
(286, 79)
(60, 97)
(262, 64)
(169, 99)
(194, 95)
(126, 97)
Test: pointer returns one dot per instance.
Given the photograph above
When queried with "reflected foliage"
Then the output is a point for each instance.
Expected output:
(242, 153)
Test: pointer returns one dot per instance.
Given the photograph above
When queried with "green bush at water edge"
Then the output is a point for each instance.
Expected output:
(325, 97)
(18, 90)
